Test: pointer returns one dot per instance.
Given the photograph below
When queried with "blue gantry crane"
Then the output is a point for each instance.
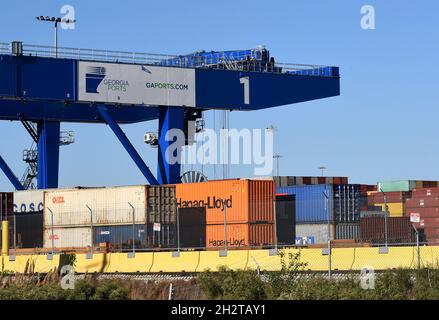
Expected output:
(42, 88)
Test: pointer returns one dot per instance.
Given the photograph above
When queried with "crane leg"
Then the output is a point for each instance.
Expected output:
(10, 175)
(169, 118)
(48, 154)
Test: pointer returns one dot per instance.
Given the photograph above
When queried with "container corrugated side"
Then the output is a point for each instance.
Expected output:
(28, 230)
(399, 230)
(347, 231)
(161, 204)
(68, 237)
(243, 200)
(285, 219)
(240, 235)
(110, 206)
(313, 233)
(6, 204)
(311, 202)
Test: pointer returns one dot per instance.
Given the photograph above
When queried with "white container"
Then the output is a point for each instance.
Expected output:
(313, 233)
(109, 206)
(28, 201)
(67, 237)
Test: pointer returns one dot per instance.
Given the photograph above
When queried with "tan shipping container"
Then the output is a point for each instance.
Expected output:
(240, 235)
(243, 200)
(110, 206)
(67, 237)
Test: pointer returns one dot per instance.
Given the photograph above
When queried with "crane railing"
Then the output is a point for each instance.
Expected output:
(253, 60)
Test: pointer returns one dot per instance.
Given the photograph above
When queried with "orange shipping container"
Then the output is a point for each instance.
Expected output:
(240, 235)
(243, 200)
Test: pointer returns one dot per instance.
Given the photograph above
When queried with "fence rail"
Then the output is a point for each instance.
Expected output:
(246, 60)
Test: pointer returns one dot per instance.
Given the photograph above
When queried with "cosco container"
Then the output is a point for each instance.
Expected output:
(311, 202)
(120, 237)
(236, 200)
(6, 204)
(99, 206)
(79, 237)
(314, 233)
(240, 235)
(28, 201)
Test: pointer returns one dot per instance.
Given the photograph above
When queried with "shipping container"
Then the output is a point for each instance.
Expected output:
(28, 230)
(346, 203)
(347, 231)
(428, 202)
(311, 202)
(6, 204)
(285, 219)
(390, 197)
(399, 230)
(240, 235)
(161, 204)
(395, 209)
(79, 237)
(120, 237)
(404, 185)
(425, 192)
(109, 206)
(192, 233)
(313, 233)
(241, 201)
(286, 181)
(424, 212)
(161, 235)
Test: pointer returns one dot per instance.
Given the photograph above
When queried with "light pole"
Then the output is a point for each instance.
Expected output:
(329, 233)
(133, 253)
(385, 219)
(55, 20)
(322, 168)
(273, 129)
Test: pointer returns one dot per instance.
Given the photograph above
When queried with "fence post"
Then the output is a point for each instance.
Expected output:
(133, 253)
(90, 254)
(50, 256)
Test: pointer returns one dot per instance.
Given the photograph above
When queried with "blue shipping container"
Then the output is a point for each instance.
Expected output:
(310, 202)
(120, 236)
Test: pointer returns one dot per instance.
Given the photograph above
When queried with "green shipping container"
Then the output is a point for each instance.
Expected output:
(401, 185)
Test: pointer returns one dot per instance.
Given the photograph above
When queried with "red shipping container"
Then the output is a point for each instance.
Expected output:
(391, 197)
(424, 212)
(424, 202)
(400, 230)
(425, 192)
(6, 204)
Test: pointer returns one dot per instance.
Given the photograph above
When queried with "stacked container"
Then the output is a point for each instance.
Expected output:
(405, 185)
(395, 202)
(286, 181)
(245, 206)
(285, 219)
(425, 202)
(399, 230)
(117, 216)
(316, 204)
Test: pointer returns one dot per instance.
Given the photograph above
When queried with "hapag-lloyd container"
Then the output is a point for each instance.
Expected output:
(109, 206)
(240, 235)
(243, 200)
(68, 237)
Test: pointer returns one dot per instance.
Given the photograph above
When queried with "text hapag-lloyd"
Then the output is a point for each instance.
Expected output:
(209, 203)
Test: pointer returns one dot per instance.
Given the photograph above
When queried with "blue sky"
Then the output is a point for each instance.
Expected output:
(382, 127)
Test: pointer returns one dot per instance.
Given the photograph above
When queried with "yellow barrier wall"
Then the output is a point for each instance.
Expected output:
(343, 259)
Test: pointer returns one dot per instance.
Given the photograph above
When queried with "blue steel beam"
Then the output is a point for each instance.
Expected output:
(169, 118)
(10, 175)
(127, 145)
(48, 154)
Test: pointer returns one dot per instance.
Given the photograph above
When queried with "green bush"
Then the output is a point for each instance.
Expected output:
(232, 285)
